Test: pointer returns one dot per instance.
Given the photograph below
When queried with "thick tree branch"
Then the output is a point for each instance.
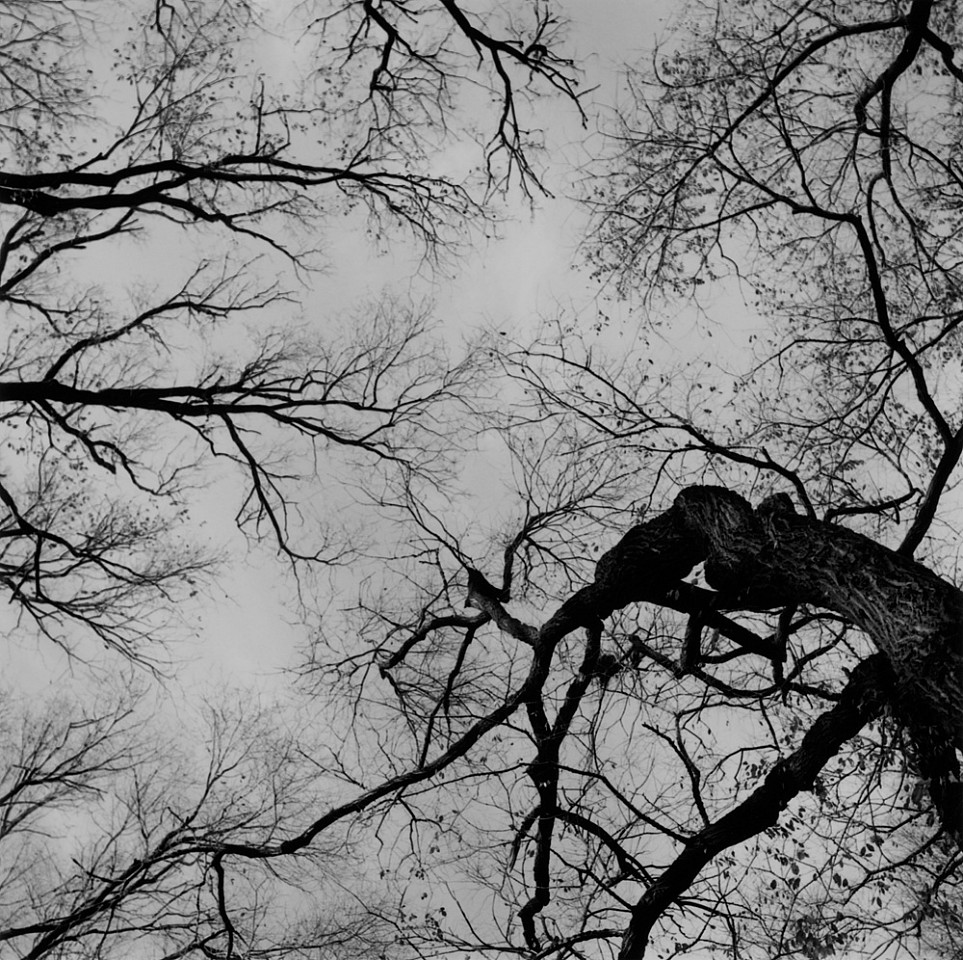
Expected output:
(762, 559)
(863, 698)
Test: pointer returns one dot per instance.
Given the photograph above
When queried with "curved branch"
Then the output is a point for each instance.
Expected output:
(863, 699)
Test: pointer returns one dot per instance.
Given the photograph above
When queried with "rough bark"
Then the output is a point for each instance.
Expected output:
(772, 557)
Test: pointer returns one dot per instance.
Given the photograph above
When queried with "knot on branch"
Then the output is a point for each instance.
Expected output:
(542, 772)
(603, 668)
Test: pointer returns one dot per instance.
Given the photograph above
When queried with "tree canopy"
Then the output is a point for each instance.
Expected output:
(621, 637)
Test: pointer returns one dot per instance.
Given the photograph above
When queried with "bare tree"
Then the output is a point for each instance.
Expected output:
(103, 814)
(161, 200)
(741, 731)
(801, 156)
(631, 711)
(154, 133)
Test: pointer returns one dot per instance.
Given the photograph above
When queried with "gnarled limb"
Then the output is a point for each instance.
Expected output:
(768, 557)
(771, 557)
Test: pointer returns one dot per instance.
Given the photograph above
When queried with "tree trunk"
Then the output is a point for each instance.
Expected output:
(773, 557)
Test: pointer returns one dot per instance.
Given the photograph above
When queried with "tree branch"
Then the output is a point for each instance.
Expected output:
(862, 700)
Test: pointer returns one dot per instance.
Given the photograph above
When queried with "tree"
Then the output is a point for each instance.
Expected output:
(771, 766)
(794, 156)
(163, 189)
(197, 150)
(623, 710)
(102, 813)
